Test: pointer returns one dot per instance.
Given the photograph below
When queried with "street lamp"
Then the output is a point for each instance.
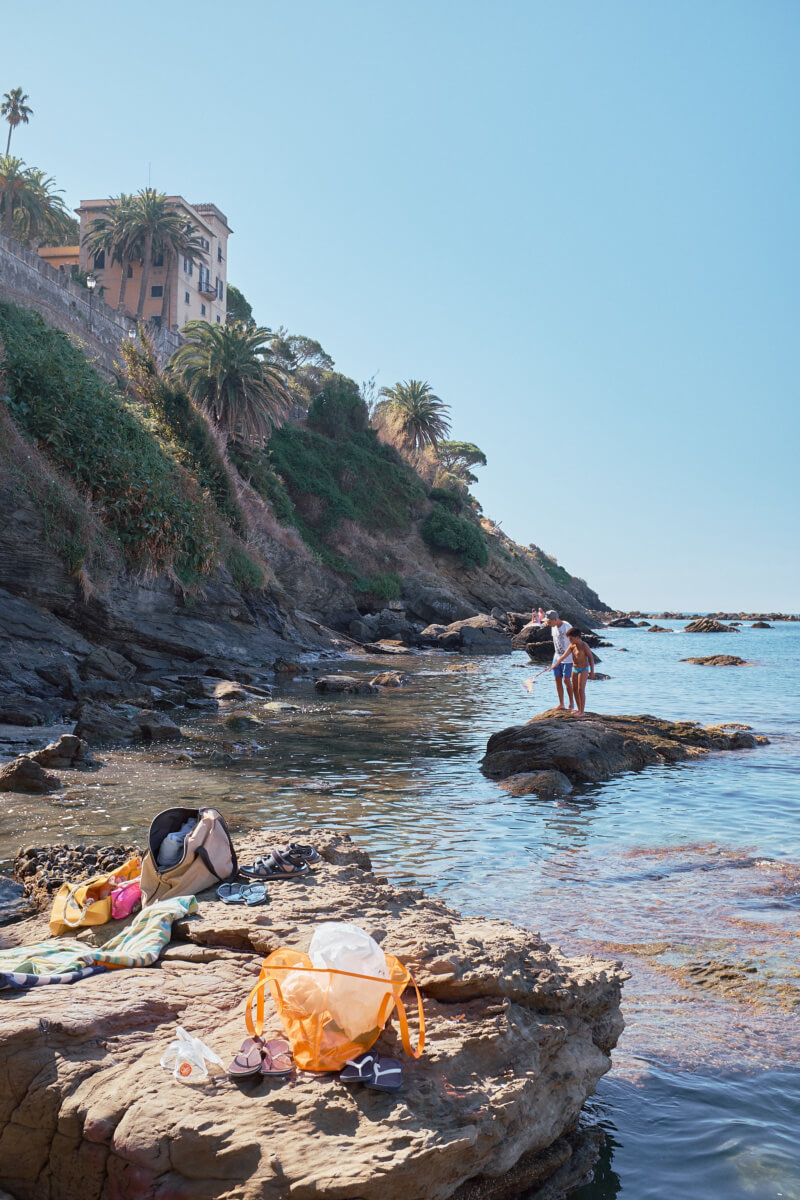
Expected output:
(91, 283)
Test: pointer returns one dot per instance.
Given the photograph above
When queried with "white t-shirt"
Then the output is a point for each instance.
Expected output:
(560, 639)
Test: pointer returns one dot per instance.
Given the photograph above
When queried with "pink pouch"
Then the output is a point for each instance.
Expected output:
(125, 899)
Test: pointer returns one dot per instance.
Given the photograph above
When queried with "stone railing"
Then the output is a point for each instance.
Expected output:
(27, 280)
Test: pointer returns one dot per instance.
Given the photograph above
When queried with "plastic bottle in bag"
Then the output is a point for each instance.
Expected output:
(187, 1057)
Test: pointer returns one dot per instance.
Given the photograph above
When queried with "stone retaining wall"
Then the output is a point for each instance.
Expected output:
(27, 280)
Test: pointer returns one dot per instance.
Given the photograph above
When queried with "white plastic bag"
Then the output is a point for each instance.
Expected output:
(187, 1057)
(353, 1003)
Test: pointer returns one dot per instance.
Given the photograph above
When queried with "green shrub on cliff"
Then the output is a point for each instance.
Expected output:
(90, 432)
(181, 425)
(444, 531)
(338, 412)
(554, 569)
(245, 571)
(358, 479)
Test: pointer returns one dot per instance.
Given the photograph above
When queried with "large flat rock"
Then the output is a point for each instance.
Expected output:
(518, 1036)
(594, 747)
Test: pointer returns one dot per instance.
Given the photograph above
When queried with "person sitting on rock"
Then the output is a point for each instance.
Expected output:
(582, 666)
(561, 670)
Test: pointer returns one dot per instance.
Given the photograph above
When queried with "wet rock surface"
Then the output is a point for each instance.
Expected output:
(68, 751)
(594, 747)
(24, 775)
(99, 724)
(518, 1036)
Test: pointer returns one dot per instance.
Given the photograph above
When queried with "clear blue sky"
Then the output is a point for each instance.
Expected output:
(578, 221)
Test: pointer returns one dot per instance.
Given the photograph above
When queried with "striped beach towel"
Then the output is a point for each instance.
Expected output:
(65, 960)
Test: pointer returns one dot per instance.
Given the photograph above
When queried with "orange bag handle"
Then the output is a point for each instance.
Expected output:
(255, 1029)
(403, 1019)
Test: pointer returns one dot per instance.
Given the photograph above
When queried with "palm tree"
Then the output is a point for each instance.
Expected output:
(229, 373)
(46, 215)
(420, 415)
(114, 233)
(15, 111)
(160, 229)
(18, 194)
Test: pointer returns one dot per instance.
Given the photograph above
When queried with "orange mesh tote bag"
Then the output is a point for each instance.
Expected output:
(331, 1015)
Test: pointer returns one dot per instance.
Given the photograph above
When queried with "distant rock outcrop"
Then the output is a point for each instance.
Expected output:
(719, 660)
(708, 625)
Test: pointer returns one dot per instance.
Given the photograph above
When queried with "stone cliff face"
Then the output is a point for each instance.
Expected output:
(49, 622)
(517, 1038)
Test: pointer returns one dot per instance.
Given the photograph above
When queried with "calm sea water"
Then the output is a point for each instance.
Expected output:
(690, 874)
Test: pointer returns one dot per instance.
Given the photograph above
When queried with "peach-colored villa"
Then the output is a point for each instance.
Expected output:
(188, 290)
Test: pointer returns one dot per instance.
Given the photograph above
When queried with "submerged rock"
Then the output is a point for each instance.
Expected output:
(542, 783)
(391, 679)
(594, 747)
(348, 684)
(518, 1037)
(719, 660)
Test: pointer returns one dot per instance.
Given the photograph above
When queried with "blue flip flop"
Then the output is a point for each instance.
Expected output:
(254, 893)
(376, 1071)
(250, 894)
(230, 893)
(387, 1075)
(359, 1070)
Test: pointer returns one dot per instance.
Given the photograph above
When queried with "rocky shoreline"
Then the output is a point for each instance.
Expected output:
(518, 1036)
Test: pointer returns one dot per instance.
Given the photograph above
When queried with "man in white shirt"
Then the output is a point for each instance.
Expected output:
(563, 671)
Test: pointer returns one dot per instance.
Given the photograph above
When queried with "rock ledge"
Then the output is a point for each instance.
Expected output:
(518, 1036)
(594, 747)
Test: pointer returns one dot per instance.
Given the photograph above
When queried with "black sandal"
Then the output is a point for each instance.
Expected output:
(276, 865)
(307, 853)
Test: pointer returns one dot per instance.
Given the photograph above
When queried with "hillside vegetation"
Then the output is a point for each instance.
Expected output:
(134, 473)
(150, 469)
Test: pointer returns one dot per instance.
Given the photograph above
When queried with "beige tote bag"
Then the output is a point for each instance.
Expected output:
(207, 859)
